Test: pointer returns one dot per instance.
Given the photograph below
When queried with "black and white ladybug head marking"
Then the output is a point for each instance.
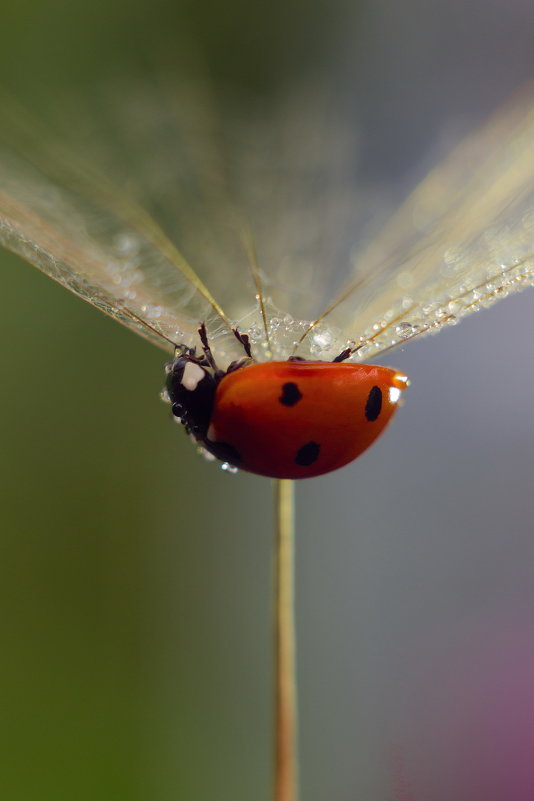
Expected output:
(191, 390)
(192, 375)
(191, 385)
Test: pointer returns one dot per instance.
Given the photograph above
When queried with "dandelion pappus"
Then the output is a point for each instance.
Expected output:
(460, 241)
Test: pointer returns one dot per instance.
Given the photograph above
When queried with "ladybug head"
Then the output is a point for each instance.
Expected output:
(191, 388)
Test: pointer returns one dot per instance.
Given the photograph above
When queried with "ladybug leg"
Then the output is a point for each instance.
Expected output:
(244, 340)
(210, 361)
(343, 355)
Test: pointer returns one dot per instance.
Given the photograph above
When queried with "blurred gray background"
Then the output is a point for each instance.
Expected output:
(135, 618)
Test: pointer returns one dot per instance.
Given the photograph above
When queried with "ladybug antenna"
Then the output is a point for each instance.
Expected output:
(244, 340)
(250, 248)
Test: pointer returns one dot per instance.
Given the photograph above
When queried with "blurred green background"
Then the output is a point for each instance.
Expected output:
(134, 578)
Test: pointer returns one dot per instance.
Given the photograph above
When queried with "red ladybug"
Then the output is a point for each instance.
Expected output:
(292, 419)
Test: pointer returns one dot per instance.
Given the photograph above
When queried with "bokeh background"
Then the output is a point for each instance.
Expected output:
(135, 578)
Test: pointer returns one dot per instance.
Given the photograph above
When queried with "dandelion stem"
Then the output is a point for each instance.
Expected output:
(285, 701)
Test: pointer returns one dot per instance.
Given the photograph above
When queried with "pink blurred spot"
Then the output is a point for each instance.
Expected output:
(470, 733)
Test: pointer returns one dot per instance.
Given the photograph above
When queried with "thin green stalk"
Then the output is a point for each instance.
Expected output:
(285, 700)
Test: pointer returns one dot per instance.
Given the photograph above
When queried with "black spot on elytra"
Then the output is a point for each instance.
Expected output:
(373, 407)
(308, 454)
(291, 394)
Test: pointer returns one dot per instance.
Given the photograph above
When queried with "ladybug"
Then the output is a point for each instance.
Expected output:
(285, 419)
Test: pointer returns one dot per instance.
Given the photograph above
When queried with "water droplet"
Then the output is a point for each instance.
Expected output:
(126, 279)
(452, 320)
(406, 330)
(255, 333)
(229, 468)
(454, 262)
(209, 457)
(126, 244)
(452, 255)
(151, 311)
(322, 339)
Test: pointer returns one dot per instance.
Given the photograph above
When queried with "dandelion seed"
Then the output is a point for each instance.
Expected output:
(71, 221)
(455, 246)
